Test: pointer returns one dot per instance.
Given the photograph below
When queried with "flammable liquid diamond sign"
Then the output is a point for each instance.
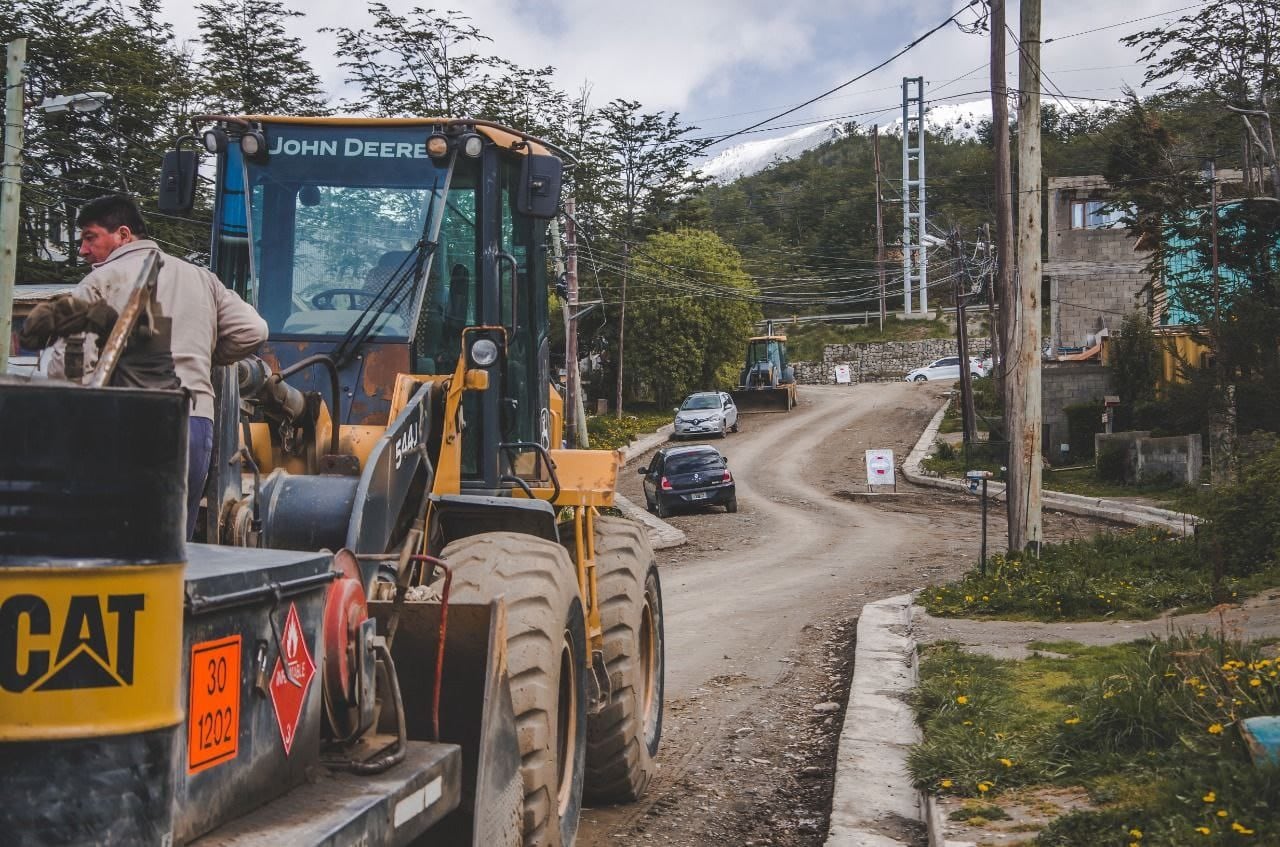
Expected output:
(289, 691)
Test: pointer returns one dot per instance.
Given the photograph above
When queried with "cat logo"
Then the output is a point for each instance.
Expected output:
(89, 651)
(82, 658)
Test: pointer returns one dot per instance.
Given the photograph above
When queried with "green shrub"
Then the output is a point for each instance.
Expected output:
(1243, 518)
(607, 432)
(1083, 421)
(1113, 462)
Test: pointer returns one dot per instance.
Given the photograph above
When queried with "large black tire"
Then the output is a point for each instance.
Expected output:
(623, 738)
(546, 663)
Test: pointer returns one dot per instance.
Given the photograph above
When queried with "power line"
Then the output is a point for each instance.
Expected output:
(847, 83)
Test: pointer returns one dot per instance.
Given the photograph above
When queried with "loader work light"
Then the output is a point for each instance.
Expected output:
(214, 140)
(253, 144)
(484, 352)
(472, 144)
(437, 145)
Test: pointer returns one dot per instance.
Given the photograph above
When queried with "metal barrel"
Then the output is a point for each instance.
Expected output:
(92, 544)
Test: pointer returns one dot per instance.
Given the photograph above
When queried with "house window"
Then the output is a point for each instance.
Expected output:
(1092, 214)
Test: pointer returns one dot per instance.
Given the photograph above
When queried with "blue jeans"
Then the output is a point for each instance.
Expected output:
(199, 449)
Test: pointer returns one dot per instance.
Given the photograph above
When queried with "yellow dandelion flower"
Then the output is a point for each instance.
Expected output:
(984, 787)
(1210, 797)
(1241, 828)
(1255, 682)
(1222, 813)
(968, 723)
(1203, 830)
(1135, 833)
(1074, 721)
(1008, 763)
(962, 699)
(1215, 729)
(946, 783)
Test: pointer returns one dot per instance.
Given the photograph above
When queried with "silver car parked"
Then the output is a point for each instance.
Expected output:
(706, 413)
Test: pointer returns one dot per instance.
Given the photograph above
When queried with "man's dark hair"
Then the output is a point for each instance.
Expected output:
(111, 212)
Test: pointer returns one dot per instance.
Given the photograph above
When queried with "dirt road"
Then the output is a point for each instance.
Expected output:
(760, 614)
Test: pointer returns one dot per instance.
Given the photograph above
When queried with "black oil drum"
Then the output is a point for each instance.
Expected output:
(92, 524)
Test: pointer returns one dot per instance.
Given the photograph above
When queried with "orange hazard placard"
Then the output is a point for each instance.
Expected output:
(213, 709)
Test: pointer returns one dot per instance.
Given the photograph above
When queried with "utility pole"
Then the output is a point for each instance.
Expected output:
(11, 189)
(576, 423)
(1004, 291)
(875, 152)
(960, 276)
(1221, 434)
(1023, 388)
(622, 319)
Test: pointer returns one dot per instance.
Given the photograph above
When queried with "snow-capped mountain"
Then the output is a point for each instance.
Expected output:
(752, 156)
(962, 119)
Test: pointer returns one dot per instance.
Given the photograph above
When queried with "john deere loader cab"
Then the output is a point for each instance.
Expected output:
(766, 381)
(354, 241)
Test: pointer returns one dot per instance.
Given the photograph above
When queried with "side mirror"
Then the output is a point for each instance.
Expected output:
(726, 461)
(178, 171)
(540, 177)
(642, 471)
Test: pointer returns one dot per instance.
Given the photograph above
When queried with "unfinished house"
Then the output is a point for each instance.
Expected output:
(1094, 273)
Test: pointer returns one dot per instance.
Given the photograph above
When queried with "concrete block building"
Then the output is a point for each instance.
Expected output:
(1094, 271)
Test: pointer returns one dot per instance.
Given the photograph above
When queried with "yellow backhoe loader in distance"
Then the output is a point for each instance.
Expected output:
(767, 382)
(484, 649)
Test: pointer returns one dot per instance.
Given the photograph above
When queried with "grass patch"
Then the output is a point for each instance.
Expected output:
(1085, 481)
(1135, 574)
(805, 341)
(606, 432)
(954, 461)
(1148, 728)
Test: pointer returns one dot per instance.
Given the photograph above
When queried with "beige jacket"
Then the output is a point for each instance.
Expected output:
(211, 324)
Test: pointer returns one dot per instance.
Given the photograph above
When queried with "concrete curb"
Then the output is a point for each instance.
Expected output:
(662, 535)
(645, 443)
(1132, 514)
(873, 793)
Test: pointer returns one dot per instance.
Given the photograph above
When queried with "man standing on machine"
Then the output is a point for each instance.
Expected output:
(209, 323)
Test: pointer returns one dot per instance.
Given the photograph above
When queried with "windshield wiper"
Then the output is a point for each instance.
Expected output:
(397, 285)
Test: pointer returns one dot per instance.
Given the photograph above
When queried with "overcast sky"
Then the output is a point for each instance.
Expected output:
(725, 64)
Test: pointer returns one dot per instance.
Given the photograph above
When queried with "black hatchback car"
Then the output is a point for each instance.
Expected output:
(688, 476)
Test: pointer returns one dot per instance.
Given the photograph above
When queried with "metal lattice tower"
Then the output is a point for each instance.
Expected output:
(915, 258)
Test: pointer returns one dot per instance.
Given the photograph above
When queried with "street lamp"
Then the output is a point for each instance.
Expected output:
(90, 101)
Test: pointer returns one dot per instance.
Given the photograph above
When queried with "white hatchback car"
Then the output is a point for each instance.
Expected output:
(946, 368)
(706, 413)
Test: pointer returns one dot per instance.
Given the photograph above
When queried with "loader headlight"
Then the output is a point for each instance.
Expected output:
(484, 353)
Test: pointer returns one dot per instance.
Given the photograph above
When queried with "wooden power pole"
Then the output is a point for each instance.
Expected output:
(575, 410)
(1025, 530)
(1004, 288)
(11, 191)
(875, 152)
(960, 276)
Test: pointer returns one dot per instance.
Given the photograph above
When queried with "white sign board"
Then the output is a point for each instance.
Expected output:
(880, 467)
(843, 375)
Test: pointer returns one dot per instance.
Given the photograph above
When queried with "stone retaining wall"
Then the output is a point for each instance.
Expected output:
(886, 361)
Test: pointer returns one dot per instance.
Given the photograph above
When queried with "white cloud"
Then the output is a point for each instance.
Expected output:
(753, 58)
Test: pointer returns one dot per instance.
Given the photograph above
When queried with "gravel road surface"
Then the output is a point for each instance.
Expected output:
(760, 614)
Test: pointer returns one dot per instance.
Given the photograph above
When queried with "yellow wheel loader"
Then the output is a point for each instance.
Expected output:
(404, 617)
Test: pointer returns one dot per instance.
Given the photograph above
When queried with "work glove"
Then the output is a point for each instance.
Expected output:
(62, 316)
